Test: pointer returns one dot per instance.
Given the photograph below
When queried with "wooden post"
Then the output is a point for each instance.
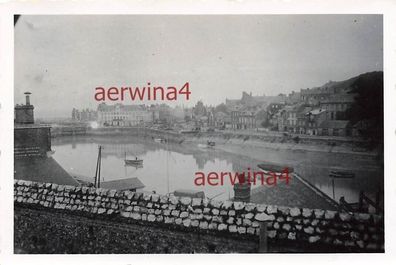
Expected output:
(361, 201)
(263, 247)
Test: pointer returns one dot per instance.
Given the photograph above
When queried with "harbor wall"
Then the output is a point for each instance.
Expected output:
(309, 229)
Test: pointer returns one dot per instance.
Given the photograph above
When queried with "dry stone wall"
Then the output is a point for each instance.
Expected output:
(312, 227)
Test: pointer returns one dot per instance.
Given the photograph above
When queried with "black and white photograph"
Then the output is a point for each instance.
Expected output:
(198, 134)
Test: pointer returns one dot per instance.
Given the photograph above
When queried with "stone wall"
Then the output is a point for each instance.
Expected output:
(312, 228)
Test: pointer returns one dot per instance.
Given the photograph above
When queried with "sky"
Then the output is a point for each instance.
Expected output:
(61, 59)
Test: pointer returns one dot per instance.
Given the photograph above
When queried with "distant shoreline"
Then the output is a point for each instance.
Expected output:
(224, 139)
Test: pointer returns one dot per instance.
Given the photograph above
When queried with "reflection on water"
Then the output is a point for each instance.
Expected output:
(168, 167)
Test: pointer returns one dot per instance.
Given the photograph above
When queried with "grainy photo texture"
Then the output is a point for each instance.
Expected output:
(198, 134)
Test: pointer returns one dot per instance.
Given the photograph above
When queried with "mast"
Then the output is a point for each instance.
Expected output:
(98, 166)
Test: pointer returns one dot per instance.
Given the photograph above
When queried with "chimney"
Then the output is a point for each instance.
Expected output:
(24, 113)
(28, 98)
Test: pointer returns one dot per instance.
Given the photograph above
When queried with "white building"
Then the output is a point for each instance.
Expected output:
(124, 115)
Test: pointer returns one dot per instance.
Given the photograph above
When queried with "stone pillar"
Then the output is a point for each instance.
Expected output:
(242, 191)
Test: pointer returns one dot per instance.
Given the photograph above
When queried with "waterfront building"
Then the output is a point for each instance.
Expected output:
(219, 120)
(124, 115)
(336, 105)
(314, 120)
(84, 115)
(243, 119)
(316, 95)
(335, 128)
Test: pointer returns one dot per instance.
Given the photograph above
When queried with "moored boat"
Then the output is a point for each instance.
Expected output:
(341, 174)
(133, 162)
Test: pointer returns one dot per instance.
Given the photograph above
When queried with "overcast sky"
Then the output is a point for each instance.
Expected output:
(61, 59)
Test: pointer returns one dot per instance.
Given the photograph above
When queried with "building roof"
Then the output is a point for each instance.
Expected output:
(316, 91)
(340, 98)
(105, 107)
(42, 169)
(123, 184)
(334, 124)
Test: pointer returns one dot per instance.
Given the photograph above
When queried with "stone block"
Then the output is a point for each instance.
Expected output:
(203, 225)
(330, 215)
(271, 209)
(345, 217)
(169, 220)
(125, 214)
(185, 200)
(295, 212)
(222, 227)
(197, 210)
(174, 200)
(136, 216)
(151, 218)
(271, 233)
(233, 228)
(241, 230)
(155, 197)
(249, 216)
(291, 236)
(319, 213)
(264, 217)
(247, 222)
(215, 211)
(249, 207)
(213, 226)
(313, 239)
(230, 220)
(196, 202)
(186, 222)
(307, 213)
(194, 223)
(164, 199)
(250, 230)
(184, 215)
(261, 208)
(309, 230)
(175, 213)
(361, 217)
(215, 204)
(286, 227)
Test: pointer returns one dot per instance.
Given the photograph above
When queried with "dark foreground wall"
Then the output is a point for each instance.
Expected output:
(196, 223)
(38, 231)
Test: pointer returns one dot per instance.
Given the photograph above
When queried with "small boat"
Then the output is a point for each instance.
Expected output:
(211, 144)
(133, 162)
(277, 169)
(341, 174)
(159, 140)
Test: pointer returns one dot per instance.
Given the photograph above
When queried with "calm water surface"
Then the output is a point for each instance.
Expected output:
(168, 167)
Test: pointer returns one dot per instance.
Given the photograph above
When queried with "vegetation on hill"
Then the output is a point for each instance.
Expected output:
(367, 110)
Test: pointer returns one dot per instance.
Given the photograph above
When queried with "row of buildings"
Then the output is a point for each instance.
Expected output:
(316, 111)
(305, 112)
(120, 115)
(312, 111)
